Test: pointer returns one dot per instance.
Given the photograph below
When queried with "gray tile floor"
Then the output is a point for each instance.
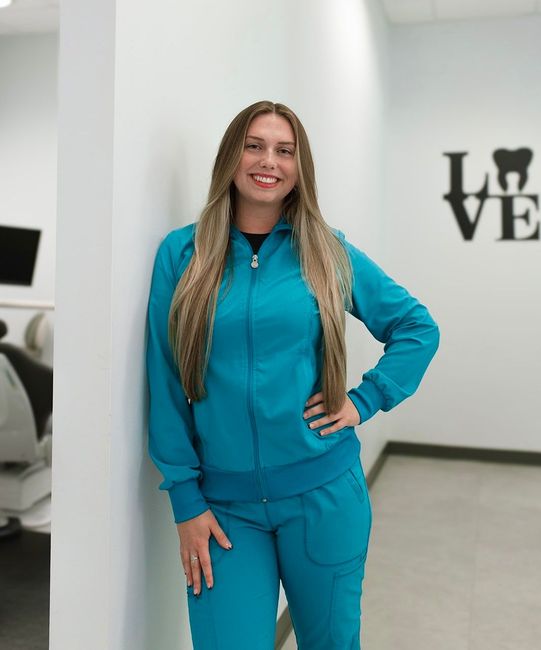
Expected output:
(454, 561)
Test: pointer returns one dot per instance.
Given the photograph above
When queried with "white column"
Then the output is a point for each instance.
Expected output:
(82, 519)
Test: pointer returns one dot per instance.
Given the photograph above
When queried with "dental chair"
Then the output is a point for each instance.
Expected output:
(26, 401)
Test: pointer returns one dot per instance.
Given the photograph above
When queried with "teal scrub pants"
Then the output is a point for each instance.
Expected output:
(316, 543)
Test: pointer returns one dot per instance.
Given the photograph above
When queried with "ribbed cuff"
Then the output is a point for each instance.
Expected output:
(367, 398)
(187, 501)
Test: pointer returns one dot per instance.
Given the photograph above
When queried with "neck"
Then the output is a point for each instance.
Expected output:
(256, 218)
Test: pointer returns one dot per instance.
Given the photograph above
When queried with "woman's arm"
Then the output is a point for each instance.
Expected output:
(171, 428)
(397, 319)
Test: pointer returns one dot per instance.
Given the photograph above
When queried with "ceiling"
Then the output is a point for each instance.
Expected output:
(25, 16)
(422, 11)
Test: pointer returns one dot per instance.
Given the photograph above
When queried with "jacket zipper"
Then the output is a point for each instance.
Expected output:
(254, 265)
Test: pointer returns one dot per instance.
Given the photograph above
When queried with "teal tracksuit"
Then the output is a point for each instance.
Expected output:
(293, 502)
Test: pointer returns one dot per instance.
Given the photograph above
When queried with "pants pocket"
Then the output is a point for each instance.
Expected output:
(337, 521)
(355, 476)
(223, 517)
(345, 610)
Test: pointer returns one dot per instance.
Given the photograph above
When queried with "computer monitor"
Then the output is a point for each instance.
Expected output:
(18, 252)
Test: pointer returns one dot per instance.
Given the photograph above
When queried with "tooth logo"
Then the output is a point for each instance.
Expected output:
(508, 161)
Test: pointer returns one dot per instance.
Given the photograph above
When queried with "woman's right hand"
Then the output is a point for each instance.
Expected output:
(194, 535)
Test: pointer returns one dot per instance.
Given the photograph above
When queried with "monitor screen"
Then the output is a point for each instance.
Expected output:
(18, 251)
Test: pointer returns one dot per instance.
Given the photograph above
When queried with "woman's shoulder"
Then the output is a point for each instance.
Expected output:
(348, 245)
(177, 246)
(338, 232)
(180, 236)
(358, 256)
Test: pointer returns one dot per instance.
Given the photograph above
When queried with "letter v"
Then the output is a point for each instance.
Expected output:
(456, 196)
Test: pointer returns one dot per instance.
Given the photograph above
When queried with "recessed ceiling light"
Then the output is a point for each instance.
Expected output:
(5, 3)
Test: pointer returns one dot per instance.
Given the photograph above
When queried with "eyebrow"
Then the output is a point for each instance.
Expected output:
(263, 140)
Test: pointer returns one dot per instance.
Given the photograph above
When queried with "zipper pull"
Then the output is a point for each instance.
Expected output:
(255, 263)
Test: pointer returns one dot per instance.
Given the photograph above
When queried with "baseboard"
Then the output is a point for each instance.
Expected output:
(283, 628)
(394, 447)
(376, 468)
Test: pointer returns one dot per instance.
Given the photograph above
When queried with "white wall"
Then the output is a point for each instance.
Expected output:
(28, 133)
(467, 86)
(142, 110)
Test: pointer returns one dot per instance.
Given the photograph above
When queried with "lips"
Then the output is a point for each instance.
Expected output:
(263, 183)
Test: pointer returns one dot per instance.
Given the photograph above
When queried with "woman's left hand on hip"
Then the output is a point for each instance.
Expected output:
(348, 415)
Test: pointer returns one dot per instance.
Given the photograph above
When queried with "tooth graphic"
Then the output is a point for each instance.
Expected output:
(517, 160)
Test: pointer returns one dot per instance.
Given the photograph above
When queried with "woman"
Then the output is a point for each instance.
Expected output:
(250, 422)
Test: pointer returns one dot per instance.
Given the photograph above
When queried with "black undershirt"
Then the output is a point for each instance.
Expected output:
(255, 239)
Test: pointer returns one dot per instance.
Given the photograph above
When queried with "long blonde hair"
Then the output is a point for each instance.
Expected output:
(324, 262)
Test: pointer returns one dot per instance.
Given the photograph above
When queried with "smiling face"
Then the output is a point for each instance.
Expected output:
(267, 171)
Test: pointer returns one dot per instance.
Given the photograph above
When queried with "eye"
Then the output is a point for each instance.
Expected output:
(252, 144)
(287, 151)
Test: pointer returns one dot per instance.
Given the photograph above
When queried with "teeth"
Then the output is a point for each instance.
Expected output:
(509, 161)
(265, 179)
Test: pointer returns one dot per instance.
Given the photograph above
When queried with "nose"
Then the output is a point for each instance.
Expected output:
(268, 159)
